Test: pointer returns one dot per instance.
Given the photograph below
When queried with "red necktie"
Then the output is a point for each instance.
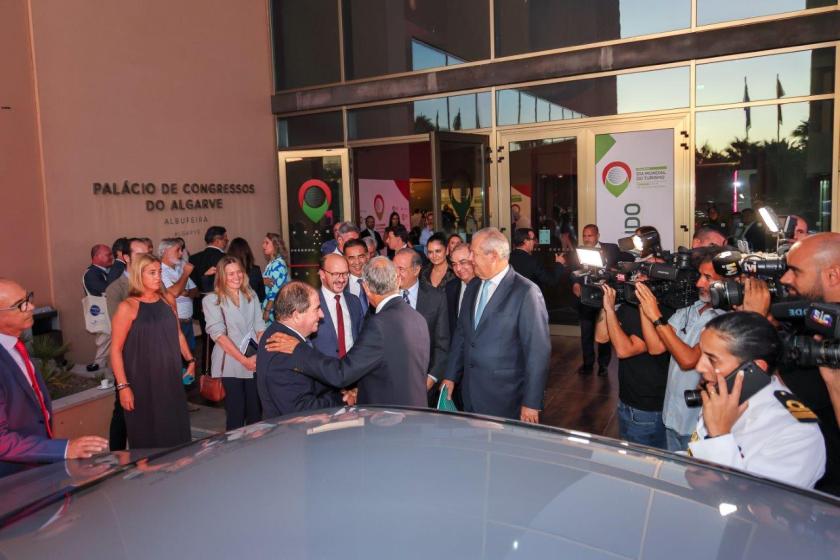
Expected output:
(339, 318)
(35, 387)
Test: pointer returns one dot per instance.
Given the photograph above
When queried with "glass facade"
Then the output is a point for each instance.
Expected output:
(306, 44)
(323, 129)
(716, 11)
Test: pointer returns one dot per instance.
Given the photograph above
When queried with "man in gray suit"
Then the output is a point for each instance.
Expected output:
(391, 356)
(501, 348)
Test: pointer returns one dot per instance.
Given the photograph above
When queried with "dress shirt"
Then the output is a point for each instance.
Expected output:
(329, 297)
(491, 289)
(8, 343)
(412, 294)
(355, 287)
(425, 235)
(386, 300)
(170, 276)
(337, 252)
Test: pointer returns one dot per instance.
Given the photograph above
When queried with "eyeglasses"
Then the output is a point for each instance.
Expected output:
(22, 304)
(459, 264)
(338, 274)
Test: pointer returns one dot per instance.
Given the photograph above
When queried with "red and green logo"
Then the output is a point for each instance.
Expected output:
(314, 197)
(616, 177)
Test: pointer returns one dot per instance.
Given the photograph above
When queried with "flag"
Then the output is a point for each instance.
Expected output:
(780, 92)
(747, 109)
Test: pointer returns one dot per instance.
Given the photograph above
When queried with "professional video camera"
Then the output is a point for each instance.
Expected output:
(819, 318)
(672, 282)
(725, 294)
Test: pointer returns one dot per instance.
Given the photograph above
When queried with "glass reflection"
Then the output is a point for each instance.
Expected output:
(766, 77)
(715, 11)
(777, 155)
(537, 25)
(306, 46)
(610, 95)
(309, 130)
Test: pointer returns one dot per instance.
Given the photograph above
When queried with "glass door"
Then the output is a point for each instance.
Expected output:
(460, 180)
(314, 196)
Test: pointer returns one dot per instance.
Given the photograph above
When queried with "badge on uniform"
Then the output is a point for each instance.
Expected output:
(793, 405)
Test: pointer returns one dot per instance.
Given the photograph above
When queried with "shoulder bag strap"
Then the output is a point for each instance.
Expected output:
(224, 320)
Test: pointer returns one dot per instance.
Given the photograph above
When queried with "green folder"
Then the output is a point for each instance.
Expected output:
(444, 403)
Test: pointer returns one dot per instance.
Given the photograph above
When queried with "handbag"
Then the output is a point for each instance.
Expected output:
(95, 309)
(211, 388)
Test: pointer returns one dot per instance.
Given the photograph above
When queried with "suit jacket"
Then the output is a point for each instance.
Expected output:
(96, 280)
(376, 237)
(325, 339)
(531, 268)
(329, 246)
(116, 270)
(452, 290)
(281, 389)
(503, 364)
(389, 360)
(23, 434)
(116, 293)
(202, 261)
(431, 304)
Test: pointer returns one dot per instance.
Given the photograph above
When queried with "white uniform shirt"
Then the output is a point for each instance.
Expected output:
(170, 275)
(329, 297)
(767, 440)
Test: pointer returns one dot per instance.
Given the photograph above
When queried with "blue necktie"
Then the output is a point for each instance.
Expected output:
(362, 297)
(482, 302)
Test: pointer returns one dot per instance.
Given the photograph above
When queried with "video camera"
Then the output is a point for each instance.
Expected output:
(819, 318)
(725, 294)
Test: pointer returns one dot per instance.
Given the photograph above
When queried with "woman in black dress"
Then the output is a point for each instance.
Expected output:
(146, 350)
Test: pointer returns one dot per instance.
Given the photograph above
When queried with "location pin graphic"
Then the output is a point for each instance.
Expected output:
(314, 198)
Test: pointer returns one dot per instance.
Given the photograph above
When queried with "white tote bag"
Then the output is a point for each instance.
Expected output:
(95, 309)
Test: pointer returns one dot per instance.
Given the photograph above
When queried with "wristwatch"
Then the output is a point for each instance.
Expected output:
(661, 322)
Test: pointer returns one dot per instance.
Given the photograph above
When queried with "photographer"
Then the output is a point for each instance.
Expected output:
(680, 335)
(770, 433)
(642, 372)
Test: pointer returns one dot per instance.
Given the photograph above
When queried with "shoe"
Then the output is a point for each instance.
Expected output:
(92, 367)
(602, 371)
(585, 370)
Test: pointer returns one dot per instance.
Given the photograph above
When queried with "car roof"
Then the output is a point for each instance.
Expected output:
(396, 482)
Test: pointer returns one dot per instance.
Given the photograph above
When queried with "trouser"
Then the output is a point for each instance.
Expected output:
(117, 433)
(641, 426)
(103, 348)
(189, 332)
(675, 440)
(587, 340)
(242, 403)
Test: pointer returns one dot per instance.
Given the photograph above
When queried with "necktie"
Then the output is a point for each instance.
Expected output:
(362, 296)
(339, 319)
(405, 297)
(30, 371)
(482, 302)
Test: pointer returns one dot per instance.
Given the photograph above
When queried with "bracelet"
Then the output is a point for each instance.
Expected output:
(190, 361)
(122, 386)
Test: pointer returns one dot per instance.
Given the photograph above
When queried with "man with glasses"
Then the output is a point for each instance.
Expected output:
(526, 264)
(26, 436)
(462, 265)
(343, 313)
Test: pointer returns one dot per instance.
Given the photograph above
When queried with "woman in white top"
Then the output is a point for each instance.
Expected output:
(235, 323)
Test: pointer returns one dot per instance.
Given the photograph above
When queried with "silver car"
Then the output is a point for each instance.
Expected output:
(377, 482)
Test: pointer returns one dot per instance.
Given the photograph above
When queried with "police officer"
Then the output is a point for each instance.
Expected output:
(771, 433)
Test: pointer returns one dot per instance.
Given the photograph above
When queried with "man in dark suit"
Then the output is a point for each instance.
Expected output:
(26, 436)
(431, 304)
(370, 223)
(281, 389)
(203, 276)
(589, 315)
(119, 249)
(343, 313)
(501, 348)
(526, 264)
(389, 360)
(462, 266)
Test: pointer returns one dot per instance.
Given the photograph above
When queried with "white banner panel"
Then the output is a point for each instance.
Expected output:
(634, 175)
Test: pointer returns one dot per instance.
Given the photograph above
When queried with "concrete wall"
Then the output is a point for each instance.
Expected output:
(141, 93)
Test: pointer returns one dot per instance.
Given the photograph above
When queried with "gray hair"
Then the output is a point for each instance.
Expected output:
(415, 256)
(167, 243)
(294, 296)
(369, 241)
(380, 276)
(459, 247)
(347, 227)
(491, 240)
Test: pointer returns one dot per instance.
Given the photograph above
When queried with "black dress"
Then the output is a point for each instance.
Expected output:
(152, 359)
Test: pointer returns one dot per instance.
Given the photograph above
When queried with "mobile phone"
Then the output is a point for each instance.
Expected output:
(755, 379)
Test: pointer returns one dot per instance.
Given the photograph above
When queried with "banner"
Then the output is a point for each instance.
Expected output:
(380, 197)
(634, 177)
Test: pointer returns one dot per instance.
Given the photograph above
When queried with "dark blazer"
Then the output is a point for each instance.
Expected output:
(431, 304)
(452, 290)
(281, 389)
(23, 436)
(255, 280)
(329, 246)
(389, 359)
(531, 268)
(503, 364)
(202, 261)
(326, 340)
(116, 270)
(376, 237)
(96, 280)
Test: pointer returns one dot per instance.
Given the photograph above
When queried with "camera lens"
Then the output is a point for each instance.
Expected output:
(692, 398)
(726, 294)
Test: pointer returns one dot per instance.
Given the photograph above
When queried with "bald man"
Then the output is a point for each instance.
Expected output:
(95, 282)
(343, 313)
(813, 273)
(26, 437)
